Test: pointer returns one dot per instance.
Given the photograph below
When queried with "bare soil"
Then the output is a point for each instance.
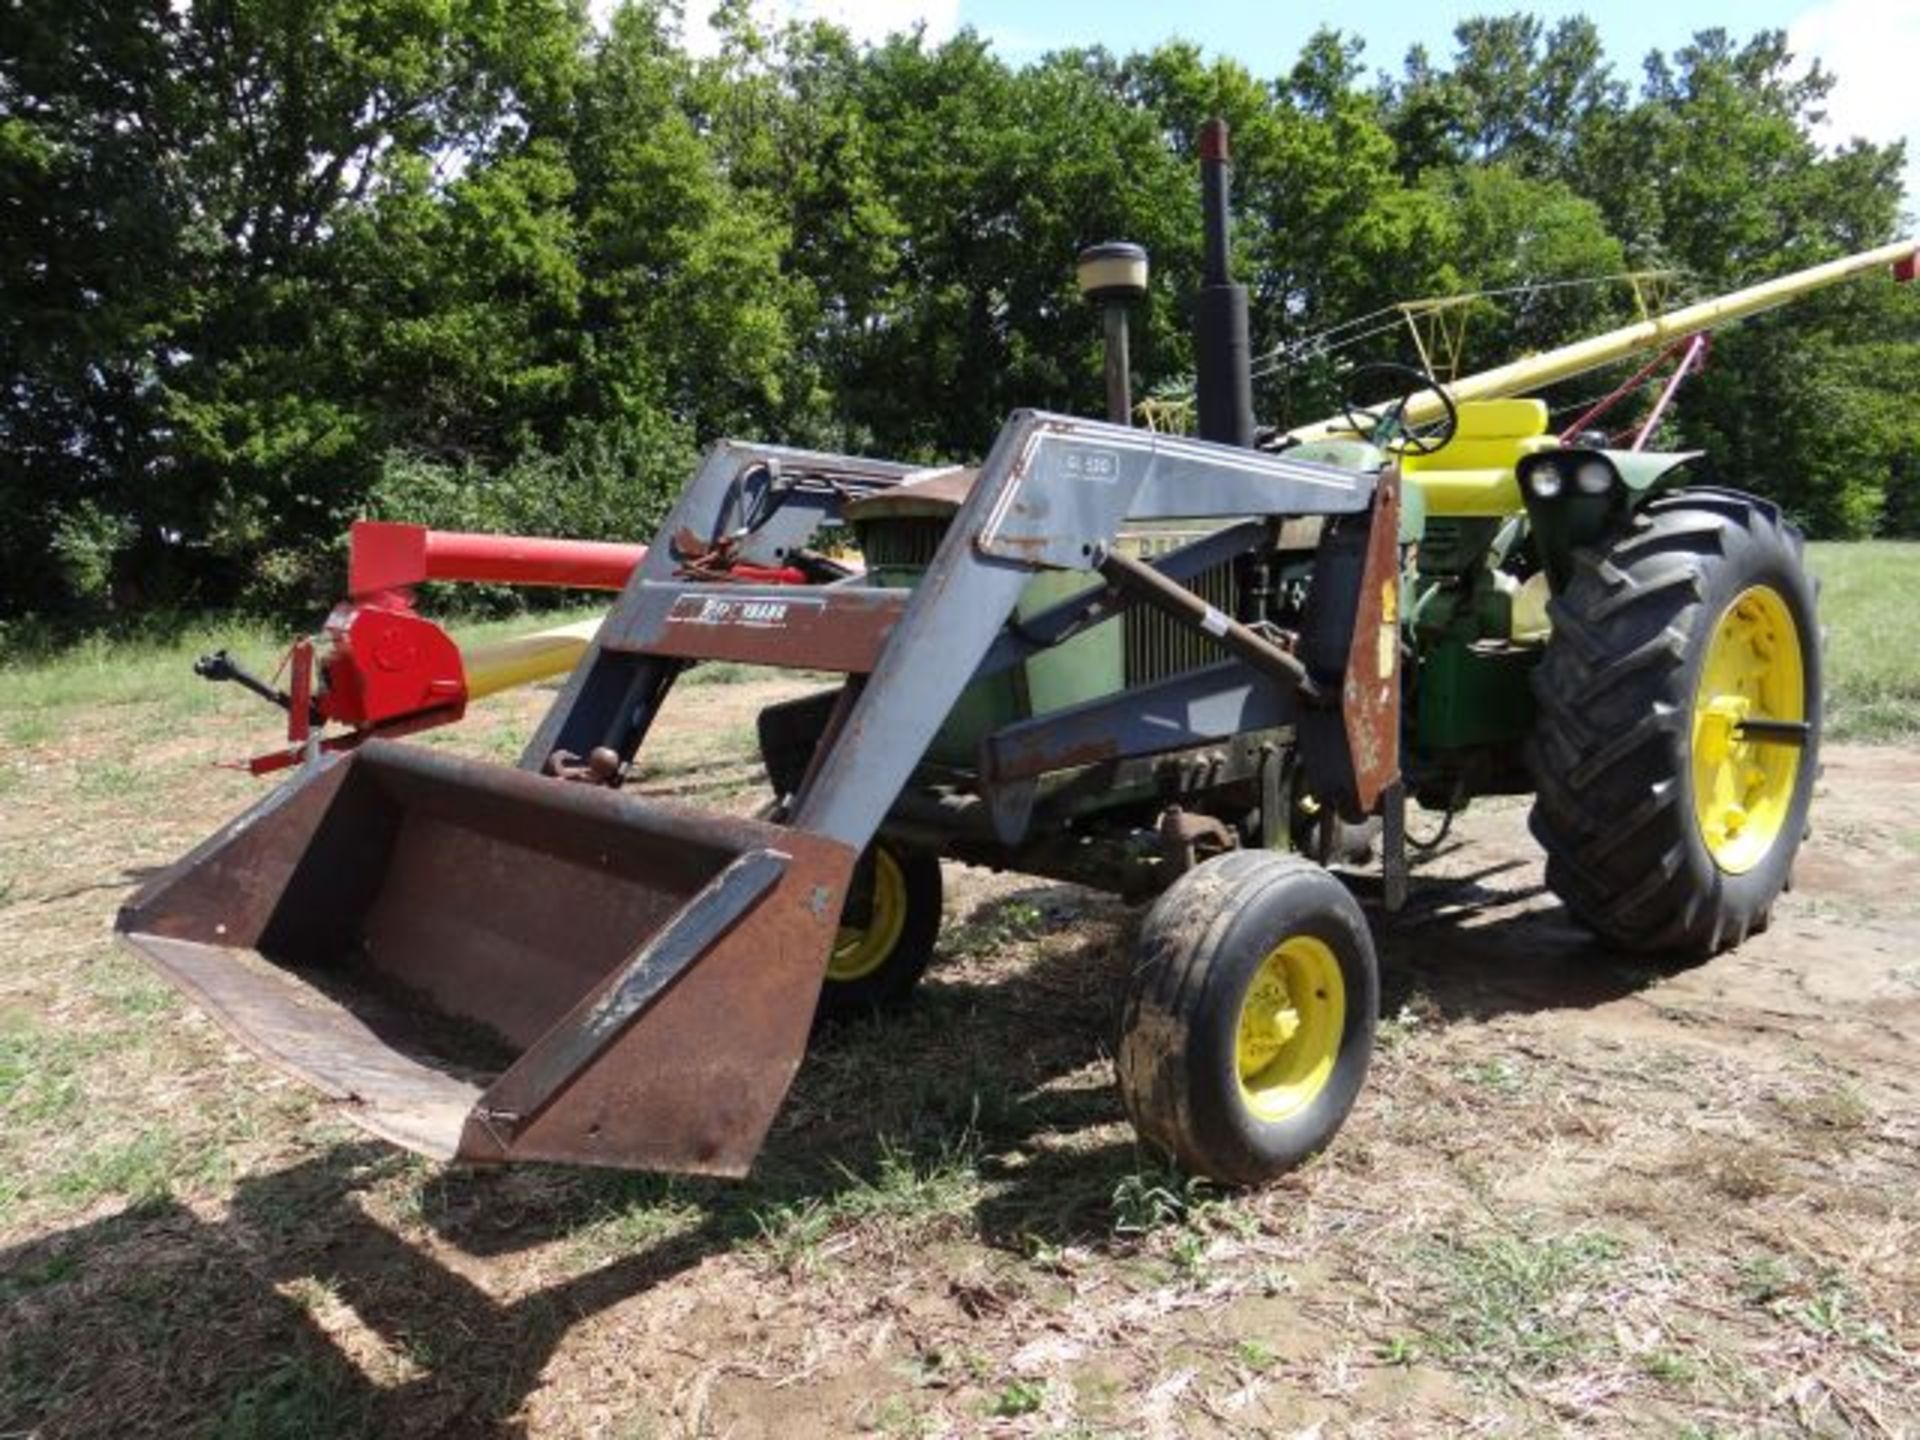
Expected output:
(1580, 1195)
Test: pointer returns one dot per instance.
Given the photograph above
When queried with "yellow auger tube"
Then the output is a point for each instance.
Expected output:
(1522, 376)
(523, 659)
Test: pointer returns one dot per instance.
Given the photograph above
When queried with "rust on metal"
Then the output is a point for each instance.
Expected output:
(486, 964)
(1370, 692)
(1186, 837)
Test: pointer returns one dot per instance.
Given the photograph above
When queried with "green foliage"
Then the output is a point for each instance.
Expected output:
(1019, 1397)
(269, 266)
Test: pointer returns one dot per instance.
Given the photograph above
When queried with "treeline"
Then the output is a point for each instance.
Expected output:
(266, 265)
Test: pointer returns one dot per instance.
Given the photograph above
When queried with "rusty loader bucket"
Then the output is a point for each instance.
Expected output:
(484, 964)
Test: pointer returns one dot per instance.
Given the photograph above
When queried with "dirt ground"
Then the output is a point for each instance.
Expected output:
(1578, 1196)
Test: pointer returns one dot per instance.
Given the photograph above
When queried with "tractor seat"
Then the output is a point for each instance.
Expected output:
(1472, 475)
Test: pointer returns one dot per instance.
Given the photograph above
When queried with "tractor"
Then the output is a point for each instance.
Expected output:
(1196, 671)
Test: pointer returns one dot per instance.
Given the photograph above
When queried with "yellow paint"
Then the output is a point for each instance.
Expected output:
(1598, 351)
(1753, 670)
(1292, 1020)
(858, 951)
(1473, 473)
(524, 659)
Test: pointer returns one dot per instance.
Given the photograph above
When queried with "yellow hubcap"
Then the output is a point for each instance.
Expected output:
(859, 950)
(1743, 789)
(1291, 1023)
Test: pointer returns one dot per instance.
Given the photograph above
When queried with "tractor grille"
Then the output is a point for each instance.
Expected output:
(1155, 646)
(902, 542)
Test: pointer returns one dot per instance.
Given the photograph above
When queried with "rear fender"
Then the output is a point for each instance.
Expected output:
(1572, 518)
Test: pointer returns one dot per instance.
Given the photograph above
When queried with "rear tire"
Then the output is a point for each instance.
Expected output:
(876, 965)
(1248, 1026)
(1665, 830)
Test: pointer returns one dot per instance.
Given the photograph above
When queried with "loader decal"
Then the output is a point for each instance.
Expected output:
(756, 614)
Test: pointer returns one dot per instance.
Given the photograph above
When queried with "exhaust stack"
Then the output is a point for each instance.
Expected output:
(1223, 349)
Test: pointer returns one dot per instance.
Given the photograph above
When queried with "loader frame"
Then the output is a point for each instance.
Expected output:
(641, 979)
(1053, 493)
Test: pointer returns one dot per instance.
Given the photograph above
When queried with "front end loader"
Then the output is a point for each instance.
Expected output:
(1197, 669)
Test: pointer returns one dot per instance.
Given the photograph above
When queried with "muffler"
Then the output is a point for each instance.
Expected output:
(485, 964)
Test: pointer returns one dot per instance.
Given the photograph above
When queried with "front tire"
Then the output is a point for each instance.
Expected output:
(1248, 1027)
(1668, 827)
(887, 933)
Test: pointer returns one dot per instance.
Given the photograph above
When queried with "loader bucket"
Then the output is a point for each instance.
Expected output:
(484, 964)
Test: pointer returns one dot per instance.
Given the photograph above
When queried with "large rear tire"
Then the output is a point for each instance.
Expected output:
(1248, 1028)
(1668, 828)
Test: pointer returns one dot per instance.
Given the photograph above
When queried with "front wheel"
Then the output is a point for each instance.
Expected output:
(887, 933)
(1679, 725)
(1248, 1027)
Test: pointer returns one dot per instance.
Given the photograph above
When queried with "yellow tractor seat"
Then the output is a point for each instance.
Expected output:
(1472, 474)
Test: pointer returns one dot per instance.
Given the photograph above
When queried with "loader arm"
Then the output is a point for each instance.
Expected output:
(493, 964)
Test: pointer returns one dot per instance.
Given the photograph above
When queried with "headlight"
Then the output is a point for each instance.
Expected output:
(1594, 477)
(1545, 481)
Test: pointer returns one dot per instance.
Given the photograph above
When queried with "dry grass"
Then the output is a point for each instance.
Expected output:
(1579, 1196)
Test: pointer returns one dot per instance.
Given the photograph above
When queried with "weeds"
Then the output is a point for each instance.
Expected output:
(1019, 1397)
(1764, 1278)
(1394, 1032)
(298, 1397)
(1152, 1199)
(1516, 1303)
(142, 1168)
(1821, 1304)
(1399, 1350)
(994, 929)
(1256, 1354)
(905, 1190)
(1500, 1076)
(1834, 1108)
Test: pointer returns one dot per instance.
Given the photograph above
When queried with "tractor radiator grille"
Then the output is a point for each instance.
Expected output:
(902, 543)
(1156, 647)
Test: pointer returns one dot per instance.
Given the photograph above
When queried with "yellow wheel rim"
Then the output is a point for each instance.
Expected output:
(1291, 1022)
(1743, 789)
(859, 950)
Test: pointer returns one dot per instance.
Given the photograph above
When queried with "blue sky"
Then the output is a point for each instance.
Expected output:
(1266, 37)
(1872, 46)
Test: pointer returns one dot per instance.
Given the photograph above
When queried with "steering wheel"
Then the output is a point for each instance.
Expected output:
(1382, 422)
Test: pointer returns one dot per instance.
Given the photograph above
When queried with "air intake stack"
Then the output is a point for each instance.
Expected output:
(1224, 351)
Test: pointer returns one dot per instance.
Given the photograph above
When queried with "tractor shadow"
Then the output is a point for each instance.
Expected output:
(1493, 941)
(166, 1319)
(296, 1306)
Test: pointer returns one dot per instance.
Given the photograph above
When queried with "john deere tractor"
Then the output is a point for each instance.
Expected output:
(1199, 669)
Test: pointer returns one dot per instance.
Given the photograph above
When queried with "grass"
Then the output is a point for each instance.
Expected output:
(45, 694)
(1520, 1303)
(906, 1193)
(1018, 1397)
(1867, 605)
(296, 1397)
(1521, 1214)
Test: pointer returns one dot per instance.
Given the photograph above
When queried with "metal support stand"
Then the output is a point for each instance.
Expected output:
(1393, 846)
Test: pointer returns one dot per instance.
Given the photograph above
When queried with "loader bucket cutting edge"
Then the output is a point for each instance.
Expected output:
(483, 964)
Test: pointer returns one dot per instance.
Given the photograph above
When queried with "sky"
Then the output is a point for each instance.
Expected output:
(1871, 46)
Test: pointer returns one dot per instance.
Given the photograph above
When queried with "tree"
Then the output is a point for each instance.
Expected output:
(269, 264)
